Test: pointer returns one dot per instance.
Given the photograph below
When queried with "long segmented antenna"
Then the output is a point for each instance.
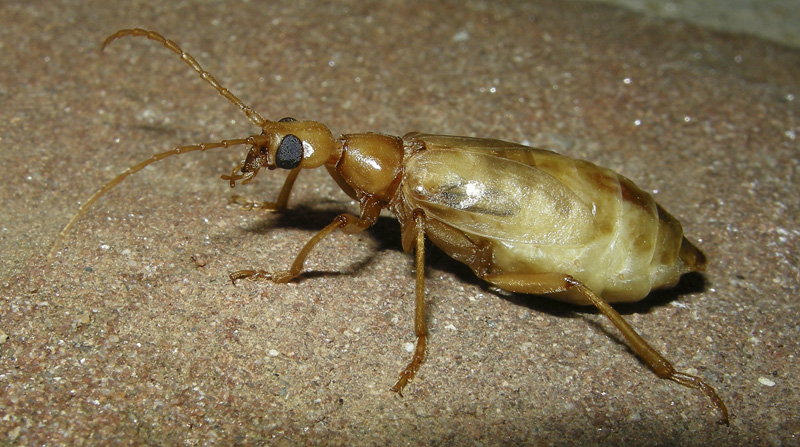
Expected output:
(190, 61)
(251, 140)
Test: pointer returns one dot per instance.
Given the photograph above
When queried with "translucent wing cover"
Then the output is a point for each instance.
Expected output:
(473, 189)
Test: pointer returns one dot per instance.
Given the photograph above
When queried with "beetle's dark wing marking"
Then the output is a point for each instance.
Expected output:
(460, 195)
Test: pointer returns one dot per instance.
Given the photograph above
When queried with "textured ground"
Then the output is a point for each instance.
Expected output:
(126, 338)
(771, 19)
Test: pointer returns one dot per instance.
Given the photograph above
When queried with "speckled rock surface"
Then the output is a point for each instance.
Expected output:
(126, 339)
(774, 20)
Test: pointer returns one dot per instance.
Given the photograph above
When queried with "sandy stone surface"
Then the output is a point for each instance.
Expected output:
(134, 335)
(774, 20)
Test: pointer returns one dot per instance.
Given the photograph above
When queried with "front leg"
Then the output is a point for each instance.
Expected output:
(278, 205)
(346, 222)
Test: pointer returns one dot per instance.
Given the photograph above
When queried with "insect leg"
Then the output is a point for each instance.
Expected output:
(420, 325)
(348, 223)
(283, 196)
(252, 115)
(556, 282)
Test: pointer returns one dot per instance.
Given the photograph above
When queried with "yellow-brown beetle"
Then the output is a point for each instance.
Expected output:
(525, 220)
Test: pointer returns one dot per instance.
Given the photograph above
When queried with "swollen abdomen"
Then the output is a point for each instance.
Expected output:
(637, 245)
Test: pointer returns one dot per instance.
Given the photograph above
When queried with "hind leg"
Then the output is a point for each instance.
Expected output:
(546, 283)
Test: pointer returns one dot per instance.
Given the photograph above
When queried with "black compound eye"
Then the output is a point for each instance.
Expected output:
(289, 153)
(288, 119)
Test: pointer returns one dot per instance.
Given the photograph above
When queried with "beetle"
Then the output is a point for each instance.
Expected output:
(525, 220)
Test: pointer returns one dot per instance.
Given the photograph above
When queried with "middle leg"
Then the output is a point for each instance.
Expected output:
(420, 325)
